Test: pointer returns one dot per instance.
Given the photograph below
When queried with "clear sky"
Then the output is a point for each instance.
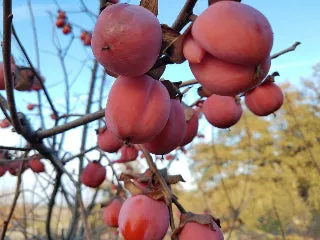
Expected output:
(291, 21)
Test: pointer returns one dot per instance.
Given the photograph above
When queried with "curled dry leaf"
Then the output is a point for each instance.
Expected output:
(24, 79)
(147, 184)
(270, 78)
(151, 5)
(156, 73)
(204, 219)
(172, 43)
(173, 88)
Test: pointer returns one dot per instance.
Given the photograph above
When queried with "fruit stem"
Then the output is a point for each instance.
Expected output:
(113, 171)
(106, 48)
(153, 168)
(178, 205)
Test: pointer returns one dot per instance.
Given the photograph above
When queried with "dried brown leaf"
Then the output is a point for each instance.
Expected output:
(151, 5)
(23, 79)
(204, 219)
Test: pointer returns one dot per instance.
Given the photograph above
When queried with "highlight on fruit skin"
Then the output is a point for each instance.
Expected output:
(137, 108)
(264, 99)
(127, 39)
(143, 218)
(234, 32)
(222, 111)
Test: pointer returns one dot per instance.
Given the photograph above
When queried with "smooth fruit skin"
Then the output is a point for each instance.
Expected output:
(66, 29)
(87, 40)
(137, 108)
(127, 39)
(129, 153)
(93, 175)
(5, 123)
(36, 165)
(193, 230)
(30, 106)
(264, 99)
(142, 218)
(110, 214)
(60, 22)
(192, 51)
(234, 32)
(173, 133)
(14, 167)
(107, 141)
(228, 79)
(222, 111)
(191, 130)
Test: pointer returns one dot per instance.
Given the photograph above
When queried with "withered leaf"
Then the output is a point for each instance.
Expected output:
(173, 88)
(172, 44)
(204, 219)
(23, 79)
(151, 5)
(156, 73)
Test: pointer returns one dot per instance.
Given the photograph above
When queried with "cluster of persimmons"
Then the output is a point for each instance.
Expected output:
(228, 49)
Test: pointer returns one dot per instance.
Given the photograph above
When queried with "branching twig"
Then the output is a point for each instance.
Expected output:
(34, 71)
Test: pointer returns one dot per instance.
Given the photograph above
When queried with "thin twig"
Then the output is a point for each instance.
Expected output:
(184, 15)
(76, 123)
(84, 217)
(289, 49)
(279, 220)
(6, 52)
(15, 148)
(154, 170)
(188, 83)
(79, 154)
(14, 203)
(51, 204)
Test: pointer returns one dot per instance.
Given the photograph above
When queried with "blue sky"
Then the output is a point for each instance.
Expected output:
(291, 21)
